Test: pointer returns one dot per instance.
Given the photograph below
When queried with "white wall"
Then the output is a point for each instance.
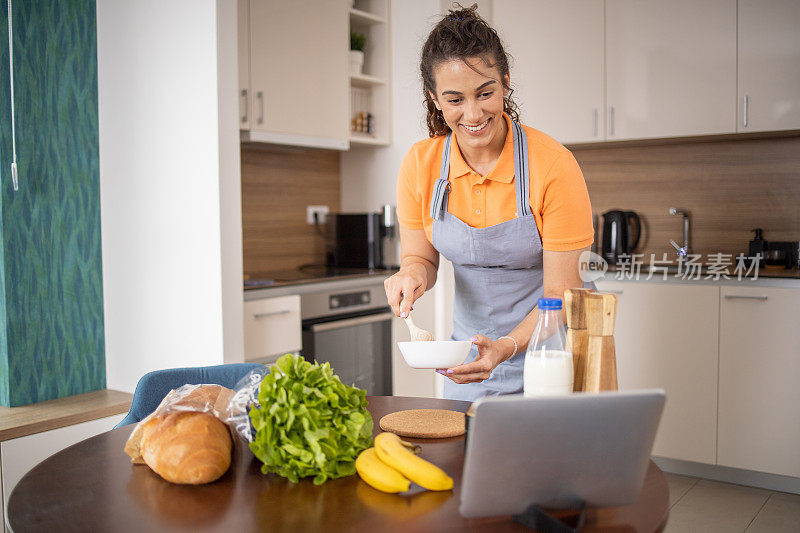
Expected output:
(168, 181)
(230, 182)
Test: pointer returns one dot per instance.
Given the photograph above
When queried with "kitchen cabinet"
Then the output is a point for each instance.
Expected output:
(653, 69)
(759, 365)
(272, 327)
(666, 337)
(243, 37)
(727, 355)
(298, 87)
(558, 75)
(295, 83)
(670, 68)
(768, 65)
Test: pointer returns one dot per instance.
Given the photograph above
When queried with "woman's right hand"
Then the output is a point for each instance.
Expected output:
(417, 271)
(403, 288)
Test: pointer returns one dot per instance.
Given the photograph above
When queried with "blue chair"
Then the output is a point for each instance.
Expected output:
(153, 386)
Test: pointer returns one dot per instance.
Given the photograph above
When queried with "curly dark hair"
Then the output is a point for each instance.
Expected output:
(461, 34)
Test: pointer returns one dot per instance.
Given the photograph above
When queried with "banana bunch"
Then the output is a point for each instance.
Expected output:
(390, 465)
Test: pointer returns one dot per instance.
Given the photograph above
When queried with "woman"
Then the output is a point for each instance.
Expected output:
(505, 203)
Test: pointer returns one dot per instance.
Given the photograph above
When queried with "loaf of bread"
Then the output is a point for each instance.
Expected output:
(187, 447)
(184, 440)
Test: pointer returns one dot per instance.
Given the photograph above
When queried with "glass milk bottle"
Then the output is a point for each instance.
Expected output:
(548, 364)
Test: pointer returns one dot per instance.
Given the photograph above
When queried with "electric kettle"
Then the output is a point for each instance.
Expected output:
(617, 235)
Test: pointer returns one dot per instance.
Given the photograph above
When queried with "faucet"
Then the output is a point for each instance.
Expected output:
(684, 250)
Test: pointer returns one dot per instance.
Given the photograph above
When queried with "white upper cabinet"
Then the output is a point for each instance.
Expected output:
(299, 87)
(244, 64)
(769, 65)
(670, 68)
(557, 66)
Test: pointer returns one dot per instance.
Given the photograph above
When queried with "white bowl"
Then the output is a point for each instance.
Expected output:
(434, 354)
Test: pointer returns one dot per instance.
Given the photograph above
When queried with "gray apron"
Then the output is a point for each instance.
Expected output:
(498, 273)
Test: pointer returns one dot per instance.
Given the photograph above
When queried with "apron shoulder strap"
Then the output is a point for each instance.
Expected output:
(439, 199)
(522, 180)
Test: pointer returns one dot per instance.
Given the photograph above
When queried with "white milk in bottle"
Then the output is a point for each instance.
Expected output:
(548, 373)
(548, 364)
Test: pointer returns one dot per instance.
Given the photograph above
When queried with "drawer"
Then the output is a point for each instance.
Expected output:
(272, 326)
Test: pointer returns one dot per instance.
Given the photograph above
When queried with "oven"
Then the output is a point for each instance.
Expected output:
(351, 329)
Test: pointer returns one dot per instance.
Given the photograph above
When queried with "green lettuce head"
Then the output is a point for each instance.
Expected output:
(308, 423)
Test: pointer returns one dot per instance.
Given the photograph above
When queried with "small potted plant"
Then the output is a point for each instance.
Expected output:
(357, 42)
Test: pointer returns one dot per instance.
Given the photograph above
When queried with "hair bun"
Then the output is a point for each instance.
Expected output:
(463, 13)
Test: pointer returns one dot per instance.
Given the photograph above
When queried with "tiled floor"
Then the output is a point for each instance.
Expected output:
(711, 507)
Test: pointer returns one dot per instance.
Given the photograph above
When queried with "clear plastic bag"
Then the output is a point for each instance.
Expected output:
(245, 396)
(212, 399)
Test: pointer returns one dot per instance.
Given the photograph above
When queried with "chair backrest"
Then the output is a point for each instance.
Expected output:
(153, 386)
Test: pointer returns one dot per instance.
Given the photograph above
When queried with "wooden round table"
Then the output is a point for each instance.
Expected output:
(92, 486)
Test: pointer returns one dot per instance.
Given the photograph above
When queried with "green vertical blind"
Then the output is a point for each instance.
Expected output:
(51, 291)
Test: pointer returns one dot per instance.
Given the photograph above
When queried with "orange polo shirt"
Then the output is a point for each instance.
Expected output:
(558, 196)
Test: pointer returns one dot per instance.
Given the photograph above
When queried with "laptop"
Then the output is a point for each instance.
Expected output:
(558, 451)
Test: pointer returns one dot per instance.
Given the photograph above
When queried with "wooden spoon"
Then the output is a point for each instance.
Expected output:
(417, 333)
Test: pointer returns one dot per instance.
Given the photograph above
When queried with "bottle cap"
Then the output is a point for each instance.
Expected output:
(549, 304)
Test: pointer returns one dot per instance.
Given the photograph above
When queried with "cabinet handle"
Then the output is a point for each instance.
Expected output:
(614, 292)
(246, 103)
(260, 96)
(743, 297)
(349, 322)
(611, 120)
(746, 102)
(272, 313)
(596, 121)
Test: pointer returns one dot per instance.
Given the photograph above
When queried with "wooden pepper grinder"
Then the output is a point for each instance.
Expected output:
(577, 334)
(601, 359)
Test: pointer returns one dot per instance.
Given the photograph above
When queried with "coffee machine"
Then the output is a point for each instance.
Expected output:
(390, 238)
(363, 240)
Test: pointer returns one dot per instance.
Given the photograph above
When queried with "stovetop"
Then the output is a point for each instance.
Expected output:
(308, 274)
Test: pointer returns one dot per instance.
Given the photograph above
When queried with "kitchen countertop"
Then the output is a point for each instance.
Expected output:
(309, 274)
(283, 286)
(766, 277)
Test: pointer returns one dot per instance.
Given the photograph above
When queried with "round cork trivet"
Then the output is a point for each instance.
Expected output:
(424, 423)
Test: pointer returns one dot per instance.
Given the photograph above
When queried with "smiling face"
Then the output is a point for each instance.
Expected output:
(470, 95)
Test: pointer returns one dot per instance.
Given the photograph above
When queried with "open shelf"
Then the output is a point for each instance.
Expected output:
(370, 89)
(366, 140)
(365, 80)
(363, 17)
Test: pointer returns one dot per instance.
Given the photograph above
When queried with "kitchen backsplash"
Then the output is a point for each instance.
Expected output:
(728, 186)
(278, 183)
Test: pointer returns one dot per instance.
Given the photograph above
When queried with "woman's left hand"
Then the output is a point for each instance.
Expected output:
(490, 354)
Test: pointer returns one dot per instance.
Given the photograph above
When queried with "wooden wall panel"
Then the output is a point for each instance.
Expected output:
(277, 185)
(728, 186)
